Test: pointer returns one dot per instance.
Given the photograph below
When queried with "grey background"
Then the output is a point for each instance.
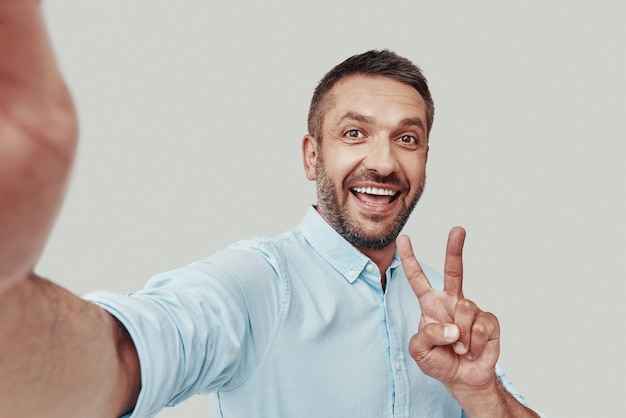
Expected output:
(192, 114)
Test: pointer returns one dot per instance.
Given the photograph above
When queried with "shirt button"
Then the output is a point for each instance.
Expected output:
(351, 274)
(398, 366)
(370, 268)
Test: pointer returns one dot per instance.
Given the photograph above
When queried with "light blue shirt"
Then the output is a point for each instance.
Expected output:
(284, 327)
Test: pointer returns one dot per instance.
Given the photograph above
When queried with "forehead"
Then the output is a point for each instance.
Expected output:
(376, 95)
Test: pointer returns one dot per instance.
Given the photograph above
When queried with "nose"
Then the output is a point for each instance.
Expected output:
(381, 157)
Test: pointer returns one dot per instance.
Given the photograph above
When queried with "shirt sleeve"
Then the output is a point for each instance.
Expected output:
(508, 385)
(198, 328)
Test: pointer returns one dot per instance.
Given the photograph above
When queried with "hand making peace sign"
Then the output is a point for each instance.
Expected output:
(457, 343)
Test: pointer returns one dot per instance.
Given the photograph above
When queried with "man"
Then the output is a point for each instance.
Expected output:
(335, 318)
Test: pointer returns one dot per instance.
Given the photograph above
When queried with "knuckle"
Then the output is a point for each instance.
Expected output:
(466, 305)
(416, 349)
(485, 325)
(480, 330)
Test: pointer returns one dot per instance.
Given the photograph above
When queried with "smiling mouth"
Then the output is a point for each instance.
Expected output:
(375, 195)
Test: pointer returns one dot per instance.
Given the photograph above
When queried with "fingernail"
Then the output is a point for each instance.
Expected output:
(450, 332)
(459, 348)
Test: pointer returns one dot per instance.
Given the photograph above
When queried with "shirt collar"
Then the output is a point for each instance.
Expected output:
(338, 252)
(395, 262)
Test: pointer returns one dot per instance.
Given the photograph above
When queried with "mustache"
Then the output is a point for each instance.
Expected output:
(366, 176)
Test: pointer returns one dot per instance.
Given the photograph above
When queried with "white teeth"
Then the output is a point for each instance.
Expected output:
(374, 191)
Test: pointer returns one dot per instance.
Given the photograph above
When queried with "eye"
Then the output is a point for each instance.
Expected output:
(353, 134)
(408, 140)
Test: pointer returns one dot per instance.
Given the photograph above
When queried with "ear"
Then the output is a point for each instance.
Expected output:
(309, 156)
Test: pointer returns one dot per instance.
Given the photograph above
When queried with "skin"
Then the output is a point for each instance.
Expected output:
(373, 136)
(37, 123)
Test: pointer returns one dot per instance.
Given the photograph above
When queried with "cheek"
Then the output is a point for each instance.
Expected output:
(339, 167)
(415, 171)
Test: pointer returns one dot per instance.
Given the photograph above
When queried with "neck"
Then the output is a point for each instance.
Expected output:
(382, 258)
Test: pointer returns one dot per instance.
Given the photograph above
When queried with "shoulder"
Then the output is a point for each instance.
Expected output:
(261, 252)
(253, 265)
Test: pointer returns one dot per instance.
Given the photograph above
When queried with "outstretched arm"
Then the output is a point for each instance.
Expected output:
(59, 355)
(457, 343)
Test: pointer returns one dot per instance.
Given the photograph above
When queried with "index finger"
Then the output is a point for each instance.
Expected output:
(453, 266)
(414, 273)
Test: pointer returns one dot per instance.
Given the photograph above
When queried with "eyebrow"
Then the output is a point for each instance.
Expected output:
(412, 122)
(357, 117)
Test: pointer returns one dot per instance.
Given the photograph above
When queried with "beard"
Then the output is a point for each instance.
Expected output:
(332, 206)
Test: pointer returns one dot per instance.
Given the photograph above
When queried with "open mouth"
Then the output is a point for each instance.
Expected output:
(375, 195)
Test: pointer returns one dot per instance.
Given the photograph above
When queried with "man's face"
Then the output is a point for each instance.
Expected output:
(370, 166)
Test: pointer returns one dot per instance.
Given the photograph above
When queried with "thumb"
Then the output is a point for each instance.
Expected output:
(432, 335)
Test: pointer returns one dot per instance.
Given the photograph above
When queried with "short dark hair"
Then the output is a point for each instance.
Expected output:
(373, 63)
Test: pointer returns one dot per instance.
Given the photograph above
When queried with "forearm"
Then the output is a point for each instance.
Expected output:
(491, 401)
(62, 356)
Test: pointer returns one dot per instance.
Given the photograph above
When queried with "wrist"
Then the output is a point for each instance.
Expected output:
(488, 400)
(491, 400)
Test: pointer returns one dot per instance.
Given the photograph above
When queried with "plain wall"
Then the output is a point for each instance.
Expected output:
(192, 115)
